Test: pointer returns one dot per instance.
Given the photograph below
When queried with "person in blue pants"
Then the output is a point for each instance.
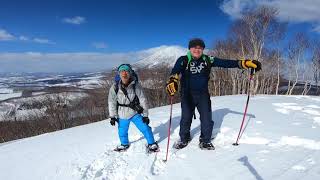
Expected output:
(127, 103)
(123, 128)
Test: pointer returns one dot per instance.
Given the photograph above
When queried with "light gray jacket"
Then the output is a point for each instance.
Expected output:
(126, 112)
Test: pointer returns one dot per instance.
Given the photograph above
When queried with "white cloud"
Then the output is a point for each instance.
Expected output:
(68, 62)
(23, 38)
(234, 8)
(5, 36)
(35, 40)
(317, 28)
(59, 62)
(100, 45)
(296, 11)
(63, 62)
(42, 41)
(74, 20)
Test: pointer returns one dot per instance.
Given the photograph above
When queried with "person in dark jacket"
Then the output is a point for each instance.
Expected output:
(194, 71)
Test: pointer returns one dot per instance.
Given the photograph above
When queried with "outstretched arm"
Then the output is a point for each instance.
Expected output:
(226, 63)
(242, 64)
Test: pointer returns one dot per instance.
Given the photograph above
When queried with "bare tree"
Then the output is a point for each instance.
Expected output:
(55, 105)
(278, 61)
(254, 30)
(316, 62)
(296, 55)
(272, 77)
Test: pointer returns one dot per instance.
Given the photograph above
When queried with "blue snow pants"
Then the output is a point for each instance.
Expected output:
(123, 128)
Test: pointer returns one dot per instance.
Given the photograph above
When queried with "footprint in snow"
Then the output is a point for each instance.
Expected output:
(298, 168)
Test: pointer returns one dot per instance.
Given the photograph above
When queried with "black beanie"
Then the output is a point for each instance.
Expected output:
(196, 42)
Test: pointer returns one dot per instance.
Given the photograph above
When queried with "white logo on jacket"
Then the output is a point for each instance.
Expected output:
(194, 69)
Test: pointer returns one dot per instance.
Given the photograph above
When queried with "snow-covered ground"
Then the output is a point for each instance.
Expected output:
(9, 95)
(14, 105)
(36, 81)
(6, 92)
(281, 141)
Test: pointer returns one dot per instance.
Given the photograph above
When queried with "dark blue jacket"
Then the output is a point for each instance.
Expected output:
(195, 75)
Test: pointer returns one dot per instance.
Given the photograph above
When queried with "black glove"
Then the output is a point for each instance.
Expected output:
(113, 121)
(258, 65)
(146, 120)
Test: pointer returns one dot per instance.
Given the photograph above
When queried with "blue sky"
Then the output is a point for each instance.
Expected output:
(117, 26)
(64, 28)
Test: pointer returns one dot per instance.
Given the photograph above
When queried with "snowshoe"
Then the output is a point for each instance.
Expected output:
(121, 148)
(180, 144)
(151, 148)
(206, 146)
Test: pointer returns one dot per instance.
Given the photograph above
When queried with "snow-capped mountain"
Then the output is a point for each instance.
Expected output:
(281, 142)
(163, 55)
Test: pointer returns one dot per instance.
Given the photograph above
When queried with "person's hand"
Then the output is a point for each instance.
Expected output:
(172, 85)
(146, 120)
(113, 121)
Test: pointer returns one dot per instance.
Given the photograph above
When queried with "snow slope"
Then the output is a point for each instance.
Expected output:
(281, 141)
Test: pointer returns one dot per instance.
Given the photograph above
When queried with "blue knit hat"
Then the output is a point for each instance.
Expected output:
(124, 67)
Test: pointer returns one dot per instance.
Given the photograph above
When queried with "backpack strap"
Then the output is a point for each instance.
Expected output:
(135, 103)
(209, 61)
(116, 87)
(125, 92)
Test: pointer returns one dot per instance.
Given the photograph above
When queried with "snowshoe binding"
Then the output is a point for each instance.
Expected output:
(121, 148)
(206, 146)
(181, 144)
(151, 148)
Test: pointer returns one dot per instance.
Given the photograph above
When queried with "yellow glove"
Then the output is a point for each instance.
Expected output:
(172, 84)
(245, 64)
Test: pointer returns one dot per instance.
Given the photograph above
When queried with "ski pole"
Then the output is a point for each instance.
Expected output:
(169, 128)
(246, 108)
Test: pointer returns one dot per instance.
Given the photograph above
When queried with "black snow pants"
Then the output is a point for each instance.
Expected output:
(189, 102)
